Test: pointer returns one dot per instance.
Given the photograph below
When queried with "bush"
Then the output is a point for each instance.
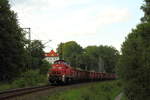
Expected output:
(94, 91)
(134, 64)
(44, 67)
(4, 86)
(30, 78)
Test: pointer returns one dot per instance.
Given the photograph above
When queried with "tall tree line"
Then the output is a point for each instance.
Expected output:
(17, 54)
(11, 43)
(134, 63)
(96, 58)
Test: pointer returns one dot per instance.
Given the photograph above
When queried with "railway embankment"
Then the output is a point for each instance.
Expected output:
(104, 90)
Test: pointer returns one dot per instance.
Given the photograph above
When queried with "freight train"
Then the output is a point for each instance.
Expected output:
(62, 72)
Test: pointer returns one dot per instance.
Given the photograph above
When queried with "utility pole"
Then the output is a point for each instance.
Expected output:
(28, 30)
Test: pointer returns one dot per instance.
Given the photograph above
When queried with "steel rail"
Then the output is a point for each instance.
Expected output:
(21, 91)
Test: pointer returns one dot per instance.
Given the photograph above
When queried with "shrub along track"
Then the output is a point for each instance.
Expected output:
(22, 91)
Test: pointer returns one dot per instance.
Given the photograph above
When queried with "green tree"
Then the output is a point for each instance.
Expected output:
(92, 53)
(37, 54)
(60, 50)
(11, 43)
(44, 67)
(134, 63)
(69, 51)
(102, 58)
(146, 9)
(110, 56)
(97, 58)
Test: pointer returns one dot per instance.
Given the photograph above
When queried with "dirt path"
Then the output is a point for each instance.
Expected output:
(119, 96)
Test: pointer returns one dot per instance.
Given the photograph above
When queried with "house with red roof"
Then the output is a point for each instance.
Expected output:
(51, 57)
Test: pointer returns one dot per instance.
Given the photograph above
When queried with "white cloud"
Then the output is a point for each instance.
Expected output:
(54, 18)
(77, 22)
(54, 4)
(113, 15)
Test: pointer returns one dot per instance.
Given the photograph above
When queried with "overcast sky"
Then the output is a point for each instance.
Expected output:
(88, 22)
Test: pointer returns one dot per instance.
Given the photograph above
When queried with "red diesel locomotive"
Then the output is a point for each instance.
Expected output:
(62, 72)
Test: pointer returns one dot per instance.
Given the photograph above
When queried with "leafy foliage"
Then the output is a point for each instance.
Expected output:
(103, 58)
(26, 79)
(11, 44)
(44, 67)
(29, 78)
(17, 54)
(97, 58)
(134, 63)
(70, 51)
(37, 54)
(146, 9)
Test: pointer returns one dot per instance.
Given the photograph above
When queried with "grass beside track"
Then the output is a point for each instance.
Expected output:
(28, 79)
(123, 97)
(107, 90)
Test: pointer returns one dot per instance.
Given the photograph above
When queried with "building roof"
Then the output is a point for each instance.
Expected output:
(52, 53)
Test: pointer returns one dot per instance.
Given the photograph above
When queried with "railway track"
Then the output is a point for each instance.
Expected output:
(10, 94)
(22, 91)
